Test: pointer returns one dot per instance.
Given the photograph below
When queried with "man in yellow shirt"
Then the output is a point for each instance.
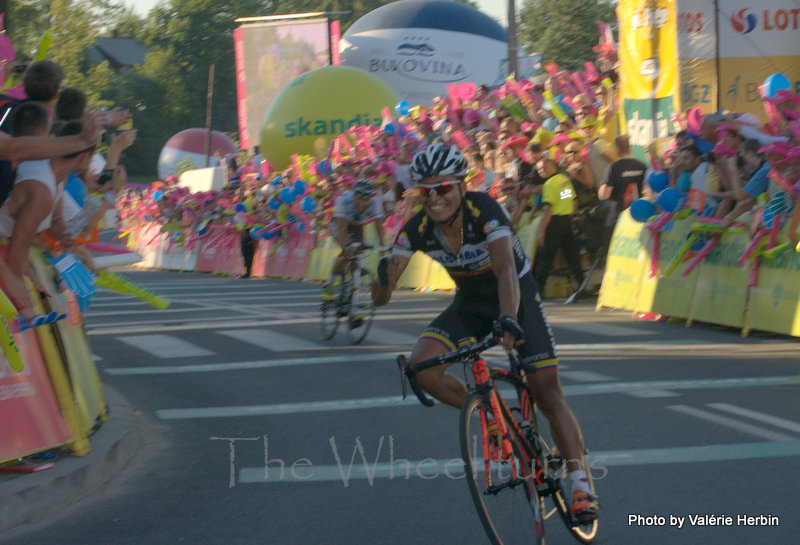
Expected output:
(555, 232)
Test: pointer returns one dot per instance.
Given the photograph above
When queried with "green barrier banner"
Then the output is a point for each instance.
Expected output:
(668, 294)
(720, 295)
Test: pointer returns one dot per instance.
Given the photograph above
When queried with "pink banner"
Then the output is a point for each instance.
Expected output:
(260, 259)
(229, 255)
(31, 417)
(207, 255)
(278, 260)
(299, 256)
(335, 33)
(241, 88)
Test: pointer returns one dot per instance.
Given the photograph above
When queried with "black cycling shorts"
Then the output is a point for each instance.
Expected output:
(470, 317)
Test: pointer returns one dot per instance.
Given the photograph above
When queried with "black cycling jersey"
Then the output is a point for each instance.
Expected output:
(484, 220)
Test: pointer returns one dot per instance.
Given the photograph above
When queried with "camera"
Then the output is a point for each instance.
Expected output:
(105, 176)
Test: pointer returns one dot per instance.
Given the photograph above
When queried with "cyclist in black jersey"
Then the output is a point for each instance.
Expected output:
(470, 234)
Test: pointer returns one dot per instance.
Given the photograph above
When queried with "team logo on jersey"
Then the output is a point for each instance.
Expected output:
(402, 241)
(491, 225)
(474, 212)
(423, 225)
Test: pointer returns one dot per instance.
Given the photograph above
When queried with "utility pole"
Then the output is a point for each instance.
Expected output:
(209, 102)
(512, 39)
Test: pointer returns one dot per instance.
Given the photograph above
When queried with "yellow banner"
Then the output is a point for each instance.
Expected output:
(625, 265)
(648, 51)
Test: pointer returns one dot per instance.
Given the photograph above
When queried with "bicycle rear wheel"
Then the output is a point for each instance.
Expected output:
(362, 311)
(508, 507)
(556, 469)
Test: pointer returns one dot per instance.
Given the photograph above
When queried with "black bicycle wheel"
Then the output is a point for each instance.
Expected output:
(508, 507)
(556, 468)
(362, 311)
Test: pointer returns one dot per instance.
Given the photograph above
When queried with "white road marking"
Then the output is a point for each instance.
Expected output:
(270, 340)
(604, 330)
(244, 365)
(583, 376)
(652, 394)
(755, 415)
(392, 401)
(165, 346)
(365, 466)
(731, 423)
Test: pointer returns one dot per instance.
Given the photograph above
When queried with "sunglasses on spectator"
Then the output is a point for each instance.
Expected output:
(440, 189)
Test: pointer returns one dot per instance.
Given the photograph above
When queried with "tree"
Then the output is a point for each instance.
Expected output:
(564, 31)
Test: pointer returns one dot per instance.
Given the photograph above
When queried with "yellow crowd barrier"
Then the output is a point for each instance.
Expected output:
(716, 291)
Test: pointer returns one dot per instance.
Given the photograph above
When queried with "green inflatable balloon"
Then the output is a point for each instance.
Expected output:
(318, 106)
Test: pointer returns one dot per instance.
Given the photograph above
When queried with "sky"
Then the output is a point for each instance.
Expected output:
(493, 8)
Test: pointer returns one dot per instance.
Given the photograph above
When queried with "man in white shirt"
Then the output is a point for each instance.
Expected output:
(35, 205)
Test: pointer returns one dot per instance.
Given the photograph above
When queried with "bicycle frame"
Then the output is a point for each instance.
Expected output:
(529, 452)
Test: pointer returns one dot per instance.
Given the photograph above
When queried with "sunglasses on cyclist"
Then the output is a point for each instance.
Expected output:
(441, 189)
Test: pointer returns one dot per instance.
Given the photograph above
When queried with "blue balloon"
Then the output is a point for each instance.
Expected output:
(274, 203)
(642, 209)
(308, 204)
(671, 200)
(402, 108)
(324, 167)
(240, 207)
(776, 82)
(158, 195)
(658, 181)
(389, 128)
(287, 195)
(299, 188)
(684, 183)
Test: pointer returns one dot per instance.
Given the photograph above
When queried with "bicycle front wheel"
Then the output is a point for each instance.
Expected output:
(501, 484)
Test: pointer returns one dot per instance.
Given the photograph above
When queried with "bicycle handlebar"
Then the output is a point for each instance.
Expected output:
(409, 370)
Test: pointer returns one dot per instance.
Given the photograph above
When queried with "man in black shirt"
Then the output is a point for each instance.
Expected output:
(623, 182)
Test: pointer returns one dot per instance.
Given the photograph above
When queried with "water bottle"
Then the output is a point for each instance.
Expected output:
(77, 224)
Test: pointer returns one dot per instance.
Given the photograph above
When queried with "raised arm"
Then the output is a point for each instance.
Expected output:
(389, 271)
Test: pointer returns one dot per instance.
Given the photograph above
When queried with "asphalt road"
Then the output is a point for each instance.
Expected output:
(682, 424)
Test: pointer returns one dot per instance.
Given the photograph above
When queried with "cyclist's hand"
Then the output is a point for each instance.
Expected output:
(383, 270)
(352, 248)
(513, 335)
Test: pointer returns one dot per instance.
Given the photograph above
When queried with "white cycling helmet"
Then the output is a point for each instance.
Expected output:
(364, 188)
(439, 160)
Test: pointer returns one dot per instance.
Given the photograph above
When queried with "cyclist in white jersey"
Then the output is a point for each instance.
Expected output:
(352, 210)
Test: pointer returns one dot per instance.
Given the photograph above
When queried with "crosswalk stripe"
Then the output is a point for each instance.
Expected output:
(755, 415)
(392, 401)
(165, 346)
(737, 425)
(381, 336)
(270, 340)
